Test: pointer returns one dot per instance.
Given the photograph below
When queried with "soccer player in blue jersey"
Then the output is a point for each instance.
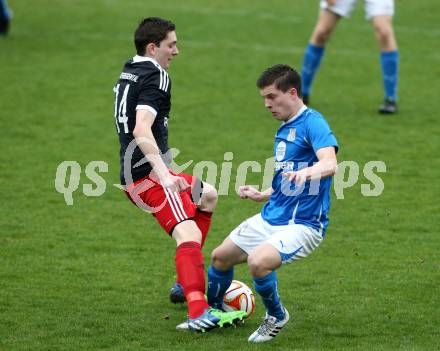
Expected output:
(380, 12)
(294, 218)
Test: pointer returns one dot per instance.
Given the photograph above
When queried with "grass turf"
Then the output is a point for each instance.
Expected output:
(86, 276)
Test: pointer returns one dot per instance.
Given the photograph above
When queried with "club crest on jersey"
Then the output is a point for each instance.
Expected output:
(281, 150)
(292, 134)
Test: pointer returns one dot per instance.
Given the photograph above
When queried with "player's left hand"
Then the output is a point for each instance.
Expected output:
(175, 183)
(299, 177)
(249, 192)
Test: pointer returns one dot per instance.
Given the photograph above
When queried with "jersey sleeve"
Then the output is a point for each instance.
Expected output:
(152, 91)
(319, 134)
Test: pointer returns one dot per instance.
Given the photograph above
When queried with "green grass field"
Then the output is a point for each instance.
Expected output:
(96, 275)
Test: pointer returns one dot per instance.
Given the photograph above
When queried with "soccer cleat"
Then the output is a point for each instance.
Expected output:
(389, 106)
(269, 328)
(211, 319)
(306, 99)
(176, 294)
(182, 326)
(4, 26)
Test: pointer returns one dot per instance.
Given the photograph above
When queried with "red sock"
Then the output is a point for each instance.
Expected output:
(203, 221)
(191, 272)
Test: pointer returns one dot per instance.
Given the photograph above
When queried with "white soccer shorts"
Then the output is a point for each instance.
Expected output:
(293, 241)
(373, 8)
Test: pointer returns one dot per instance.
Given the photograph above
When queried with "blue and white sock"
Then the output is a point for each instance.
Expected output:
(312, 59)
(389, 62)
(267, 288)
(218, 282)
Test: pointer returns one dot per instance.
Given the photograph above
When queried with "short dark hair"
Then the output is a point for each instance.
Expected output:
(151, 30)
(283, 76)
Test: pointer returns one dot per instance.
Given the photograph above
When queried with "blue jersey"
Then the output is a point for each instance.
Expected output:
(296, 144)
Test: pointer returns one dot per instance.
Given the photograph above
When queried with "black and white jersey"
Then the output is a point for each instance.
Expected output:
(143, 84)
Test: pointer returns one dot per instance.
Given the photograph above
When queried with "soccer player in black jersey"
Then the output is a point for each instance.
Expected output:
(180, 203)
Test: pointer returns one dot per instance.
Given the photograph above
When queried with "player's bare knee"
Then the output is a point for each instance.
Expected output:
(187, 231)
(382, 33)
(219, 260)
(385, 35)
(256, 266)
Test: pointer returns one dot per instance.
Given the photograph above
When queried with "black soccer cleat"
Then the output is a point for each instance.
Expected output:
(4, 26)
(389, 106)
(305, 99)
(176, 294)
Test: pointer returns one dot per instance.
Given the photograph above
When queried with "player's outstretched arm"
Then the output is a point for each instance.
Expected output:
(325, 167)
(249, 192)
(146, 142)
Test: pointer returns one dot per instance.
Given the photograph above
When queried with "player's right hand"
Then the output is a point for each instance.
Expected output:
(249, 192)
(175, 183)
(331, 2)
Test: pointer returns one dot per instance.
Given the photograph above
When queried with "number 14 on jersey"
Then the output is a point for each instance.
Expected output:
(121, 108)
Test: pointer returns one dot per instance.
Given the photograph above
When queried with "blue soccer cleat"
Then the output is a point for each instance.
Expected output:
(213, 318)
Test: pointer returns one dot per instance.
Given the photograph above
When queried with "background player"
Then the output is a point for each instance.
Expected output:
(381, 13)
(5, 17)
(182, 208)
(294, 219)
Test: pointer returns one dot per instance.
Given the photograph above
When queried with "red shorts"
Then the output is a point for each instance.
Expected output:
(169, 208)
